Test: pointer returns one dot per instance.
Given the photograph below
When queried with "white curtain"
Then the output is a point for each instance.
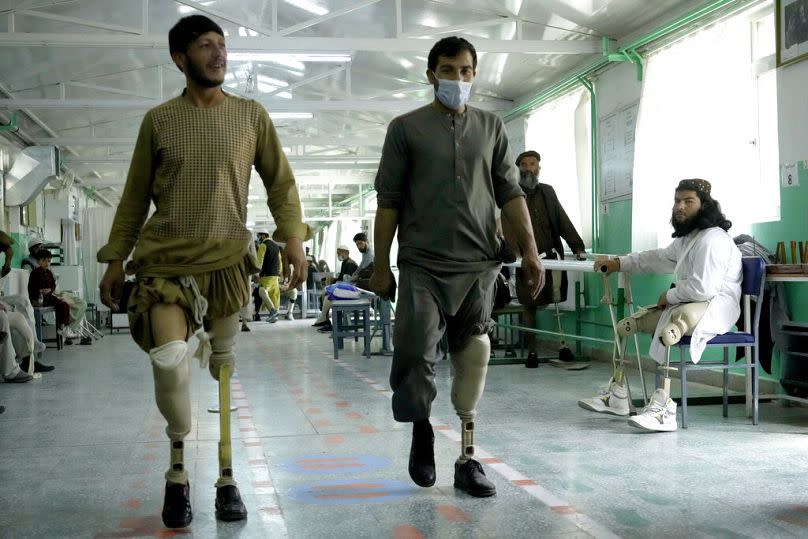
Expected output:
(561, 132)
(95, 227)
(697, 119)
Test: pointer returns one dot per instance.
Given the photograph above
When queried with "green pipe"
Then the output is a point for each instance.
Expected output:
(593, 142)
(12, 124)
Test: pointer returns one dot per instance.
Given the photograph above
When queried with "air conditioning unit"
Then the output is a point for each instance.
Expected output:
(33, 169)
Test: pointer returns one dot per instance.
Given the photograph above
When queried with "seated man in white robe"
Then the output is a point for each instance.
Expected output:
(703, 303)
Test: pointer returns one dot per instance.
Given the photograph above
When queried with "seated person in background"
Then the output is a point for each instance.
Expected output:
(12, 373)
(550, 224)
(30, 263)
(69, 308)
(23, 333)
(703, 303)
(347, 268)
(361, 241)
(322, 267)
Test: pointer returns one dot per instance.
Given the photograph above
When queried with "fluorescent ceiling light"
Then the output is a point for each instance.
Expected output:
(291, 115)
(292, 57)
(309, 6)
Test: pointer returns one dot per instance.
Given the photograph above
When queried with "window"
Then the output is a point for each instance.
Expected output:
(561, 132)
(708, 111)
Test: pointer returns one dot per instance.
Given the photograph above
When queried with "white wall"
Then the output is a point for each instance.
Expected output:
(516, 135)
(792, 114)
(617, 88)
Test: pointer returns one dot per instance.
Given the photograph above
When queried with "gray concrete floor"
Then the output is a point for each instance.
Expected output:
(317, 454)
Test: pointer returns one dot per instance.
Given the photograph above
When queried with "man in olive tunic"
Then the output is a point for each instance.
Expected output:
(192, 160)
(444, 169)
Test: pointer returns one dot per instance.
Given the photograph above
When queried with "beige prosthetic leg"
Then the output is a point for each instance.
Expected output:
(470, 367)
(229, 506)
(172, 377)
(221, 366)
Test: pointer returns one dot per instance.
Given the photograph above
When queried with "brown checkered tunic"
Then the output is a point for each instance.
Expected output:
(194, 164)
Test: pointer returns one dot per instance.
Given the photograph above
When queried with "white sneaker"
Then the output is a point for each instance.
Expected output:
(290, 315)
(612, 400)
(659, 415)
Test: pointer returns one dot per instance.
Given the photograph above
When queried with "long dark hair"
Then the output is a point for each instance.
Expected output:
(709, 215)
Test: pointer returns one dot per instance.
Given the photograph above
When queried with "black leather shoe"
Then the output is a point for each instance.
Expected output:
(177, 506)
(471, 479)
(86, 340)
(326, 327)
(38, 367)
(422, 454)
(245, 327)
(532, 361)
(321, 324)
(229, 506)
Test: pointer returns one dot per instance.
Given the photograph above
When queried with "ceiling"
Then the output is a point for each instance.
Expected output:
(80, 74)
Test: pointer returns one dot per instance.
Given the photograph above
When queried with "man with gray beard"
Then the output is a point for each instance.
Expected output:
(550, 224)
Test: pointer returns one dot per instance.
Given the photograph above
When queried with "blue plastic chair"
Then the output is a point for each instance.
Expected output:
(754, 276)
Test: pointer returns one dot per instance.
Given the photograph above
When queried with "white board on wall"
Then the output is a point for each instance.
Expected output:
(616, 152)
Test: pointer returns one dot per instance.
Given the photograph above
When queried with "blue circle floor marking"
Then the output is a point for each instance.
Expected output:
(352, 492)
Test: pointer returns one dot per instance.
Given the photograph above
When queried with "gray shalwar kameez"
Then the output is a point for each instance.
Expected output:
(444, 173)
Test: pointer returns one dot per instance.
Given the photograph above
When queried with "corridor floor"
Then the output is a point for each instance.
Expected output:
(317, 454)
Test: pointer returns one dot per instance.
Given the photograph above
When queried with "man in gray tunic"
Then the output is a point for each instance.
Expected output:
(444, 168)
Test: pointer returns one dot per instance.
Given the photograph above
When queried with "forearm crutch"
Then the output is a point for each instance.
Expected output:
(630, 302)
(618, 350)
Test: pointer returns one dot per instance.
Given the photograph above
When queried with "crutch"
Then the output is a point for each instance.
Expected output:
(630, 302)
(618, 350)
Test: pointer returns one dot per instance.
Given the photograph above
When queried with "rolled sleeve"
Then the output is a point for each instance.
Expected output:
(392, 168)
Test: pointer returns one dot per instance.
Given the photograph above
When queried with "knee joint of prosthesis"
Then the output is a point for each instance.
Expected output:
(627, 326)
(172, 376)
(222, 354)
(470, 367)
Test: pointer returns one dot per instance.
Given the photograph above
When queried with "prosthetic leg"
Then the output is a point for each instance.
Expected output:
(659, 414)
(616, 399)
(470, 368)
(229, 506)
(172, 376)
(566, 359)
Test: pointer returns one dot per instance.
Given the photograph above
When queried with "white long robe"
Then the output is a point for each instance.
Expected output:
(708, 270)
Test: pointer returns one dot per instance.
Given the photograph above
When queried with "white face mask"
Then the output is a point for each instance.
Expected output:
(454, 94)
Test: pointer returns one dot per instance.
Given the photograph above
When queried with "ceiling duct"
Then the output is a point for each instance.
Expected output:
(33, 168)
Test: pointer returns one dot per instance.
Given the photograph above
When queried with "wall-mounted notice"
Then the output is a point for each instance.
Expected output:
(616, 134)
